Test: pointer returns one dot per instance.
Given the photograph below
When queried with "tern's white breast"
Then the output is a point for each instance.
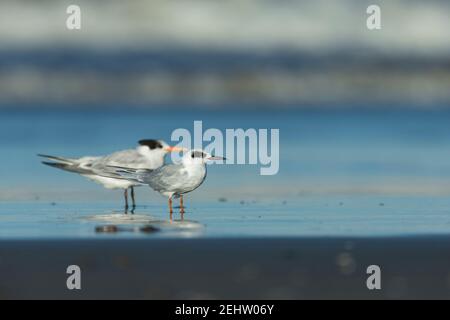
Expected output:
(195, 175)
(111, 183)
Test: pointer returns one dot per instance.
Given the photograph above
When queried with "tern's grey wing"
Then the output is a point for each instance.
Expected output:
(169, 178)
(68, 167)
(125, 158)
(83, 166)
(132, 174)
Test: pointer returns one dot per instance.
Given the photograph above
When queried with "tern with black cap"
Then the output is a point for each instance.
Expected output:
(148, 155)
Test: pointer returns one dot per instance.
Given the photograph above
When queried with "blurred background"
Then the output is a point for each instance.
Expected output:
(359, 111)
(217, 54)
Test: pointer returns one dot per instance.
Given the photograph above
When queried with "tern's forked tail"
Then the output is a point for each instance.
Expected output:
(64, 164)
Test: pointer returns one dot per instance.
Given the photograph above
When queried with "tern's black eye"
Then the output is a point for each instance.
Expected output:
(198, 154)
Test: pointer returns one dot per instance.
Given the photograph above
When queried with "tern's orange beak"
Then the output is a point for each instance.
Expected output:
(175, 149)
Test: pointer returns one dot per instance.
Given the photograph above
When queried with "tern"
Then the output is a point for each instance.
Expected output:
(173, 180)
(149, 154)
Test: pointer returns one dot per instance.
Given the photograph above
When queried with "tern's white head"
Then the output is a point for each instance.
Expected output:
(198, 157)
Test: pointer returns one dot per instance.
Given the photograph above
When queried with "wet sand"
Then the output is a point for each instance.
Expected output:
(313, 248)
(237, 268)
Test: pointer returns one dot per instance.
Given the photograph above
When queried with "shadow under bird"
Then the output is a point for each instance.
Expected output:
(173, 180)
(149, 154)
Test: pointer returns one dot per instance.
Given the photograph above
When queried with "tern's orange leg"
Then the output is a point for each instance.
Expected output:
(181, 205)
(182, 208)
(170, 208)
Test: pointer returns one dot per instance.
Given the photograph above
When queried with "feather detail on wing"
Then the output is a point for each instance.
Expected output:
(138, 175)
(74, 165)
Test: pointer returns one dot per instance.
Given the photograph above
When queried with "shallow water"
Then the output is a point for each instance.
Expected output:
(307, 216)
(365, 173)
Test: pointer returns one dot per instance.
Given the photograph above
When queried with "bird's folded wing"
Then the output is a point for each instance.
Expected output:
(77, 166)
(125, 158)
(168, 178)
(138, 175)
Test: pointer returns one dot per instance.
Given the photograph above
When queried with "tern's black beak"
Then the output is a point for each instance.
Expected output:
(215, 158)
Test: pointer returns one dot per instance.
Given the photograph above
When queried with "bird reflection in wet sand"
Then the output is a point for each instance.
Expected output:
(173, 180)
(144, 224)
